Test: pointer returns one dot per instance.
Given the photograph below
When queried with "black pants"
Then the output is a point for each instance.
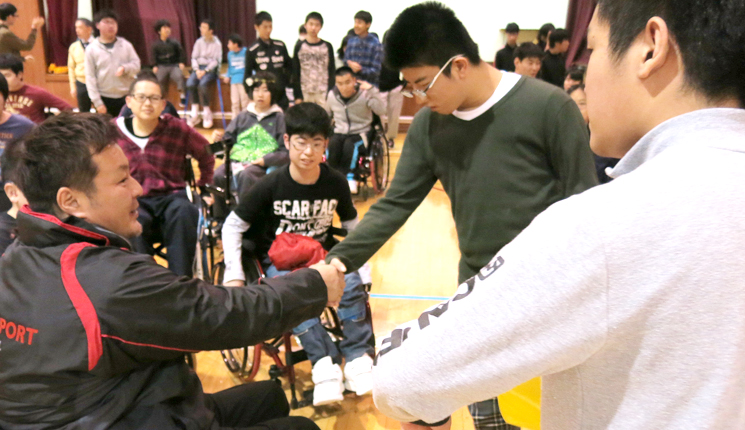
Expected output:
(84, 102)
(344, 151)
(257, 405)
(171, 220)
(114, 106)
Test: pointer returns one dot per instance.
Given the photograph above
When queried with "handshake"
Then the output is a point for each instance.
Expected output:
(333, 276)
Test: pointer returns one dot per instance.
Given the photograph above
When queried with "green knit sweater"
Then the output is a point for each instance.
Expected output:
(500, 170)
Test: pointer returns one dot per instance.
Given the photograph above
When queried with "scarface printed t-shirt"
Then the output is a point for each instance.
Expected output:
(277, 204)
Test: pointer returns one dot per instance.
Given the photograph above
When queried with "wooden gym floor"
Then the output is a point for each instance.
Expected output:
(416, 269)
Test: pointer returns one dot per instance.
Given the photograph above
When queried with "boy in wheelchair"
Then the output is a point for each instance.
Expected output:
(301, 198)
(351, 104)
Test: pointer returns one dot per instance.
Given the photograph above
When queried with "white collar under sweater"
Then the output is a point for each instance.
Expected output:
(259, 116)
(508, 81)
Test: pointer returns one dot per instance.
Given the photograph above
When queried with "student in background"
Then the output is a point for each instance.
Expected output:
(313, 64)
(236, 70)
(169, 58)
(364, 53)
(528, 59)
(11, 192)
(543, 33)
(76, 63)
(111, 65)
(27, 100)
(11, 127)
(268, 55)
(575, 76)
(302, 33)
(205, 63)
(9, 42)
(504, 57)
(553, 65)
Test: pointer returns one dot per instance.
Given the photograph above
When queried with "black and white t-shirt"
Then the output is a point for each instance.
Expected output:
(313, 68)
(277, 204)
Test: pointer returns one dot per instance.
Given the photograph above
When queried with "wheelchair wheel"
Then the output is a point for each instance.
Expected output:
(380, 164)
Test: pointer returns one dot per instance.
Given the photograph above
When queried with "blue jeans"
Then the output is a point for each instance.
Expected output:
(199, 90)
(358, 336)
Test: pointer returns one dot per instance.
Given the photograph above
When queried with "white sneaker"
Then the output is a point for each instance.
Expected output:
(207, 118)
(352, 186)
(193, 119)
(327, 378)
(358, 375)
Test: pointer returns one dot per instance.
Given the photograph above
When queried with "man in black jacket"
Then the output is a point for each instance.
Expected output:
(94, 335)
(268, 55)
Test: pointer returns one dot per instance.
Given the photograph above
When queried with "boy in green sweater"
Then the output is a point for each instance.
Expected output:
(505, 148)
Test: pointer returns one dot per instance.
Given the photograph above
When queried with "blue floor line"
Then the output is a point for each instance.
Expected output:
(396, 296)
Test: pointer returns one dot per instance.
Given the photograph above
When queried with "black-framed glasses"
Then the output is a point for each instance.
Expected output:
(422, 94)
(303, 146)
(140, 98)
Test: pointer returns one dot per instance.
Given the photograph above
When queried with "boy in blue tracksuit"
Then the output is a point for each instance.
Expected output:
(236, 67)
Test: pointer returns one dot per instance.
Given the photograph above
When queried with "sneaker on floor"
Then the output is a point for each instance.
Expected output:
(207, 118)
(358, 375)
(352, 186)
(327, 378)
(193, 120)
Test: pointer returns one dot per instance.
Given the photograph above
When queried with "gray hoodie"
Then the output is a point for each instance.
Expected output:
(206, 55)
(355, 115)
(101, 64)
(627, 299)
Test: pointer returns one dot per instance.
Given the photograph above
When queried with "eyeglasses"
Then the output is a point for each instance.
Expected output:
(140, 98)
(303, 146)
(422, 94)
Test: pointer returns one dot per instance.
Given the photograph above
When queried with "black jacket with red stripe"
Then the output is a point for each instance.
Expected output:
(93, 336)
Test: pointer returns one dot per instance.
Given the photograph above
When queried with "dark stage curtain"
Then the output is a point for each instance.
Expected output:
(60, 29)
(230, 16)
(578, 19)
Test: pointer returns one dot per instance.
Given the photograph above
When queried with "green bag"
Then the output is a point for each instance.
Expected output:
(253, 144)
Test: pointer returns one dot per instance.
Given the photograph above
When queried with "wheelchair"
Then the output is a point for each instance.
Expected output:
(373, 168)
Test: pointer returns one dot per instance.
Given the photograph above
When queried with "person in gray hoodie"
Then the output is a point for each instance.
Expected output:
(351, 104)
(205, 62)
(111, 65)
(258, 133)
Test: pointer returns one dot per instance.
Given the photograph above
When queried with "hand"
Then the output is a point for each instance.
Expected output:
(412, 426)
(364, 85)
(155, 69)
(298, 101)
(355, 66)
(182, 66)
(235, 283)
(225, 80)
(119, 71)
(208, 200)
(334, 281)
(200, 74)
(217, 135)
(37, 22)
(338, 265)
(259, 162)
(101, 109)
(28, 57)
(74, 92)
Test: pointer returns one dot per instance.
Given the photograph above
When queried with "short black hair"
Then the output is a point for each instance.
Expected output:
(6, 10)
(261, 17)
(11, 62)
(308, 119)
(709, 34)
(364, 16)
(9, 159)
(59, 153)
(428, 34)
(86, 21)
(528, 50)
(344, 70)
(302, 29)
(544, 30)
(577, 73)
(315, 15)
(574, 88)
(105, 13)
(146, 76)
(4, 88)
(160, 24)
(512, 28)
(272, 84)
(557, 36)
(236, 38)
(209, 22)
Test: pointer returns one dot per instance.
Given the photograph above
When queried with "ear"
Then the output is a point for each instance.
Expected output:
(656, 46)
(516, 61)
(287, 141)
(459, 67)
(128, 100)
(72, 202)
